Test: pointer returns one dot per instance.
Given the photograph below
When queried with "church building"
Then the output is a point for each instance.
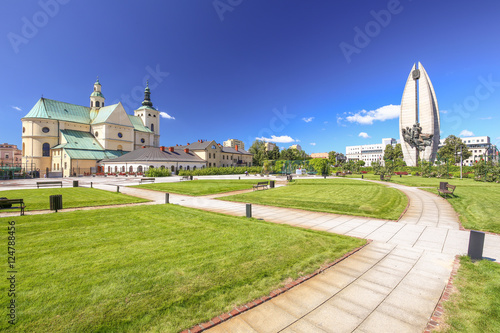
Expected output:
(61, 139)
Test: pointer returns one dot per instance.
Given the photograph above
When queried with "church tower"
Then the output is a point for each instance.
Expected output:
(150, 116)
(96, 98)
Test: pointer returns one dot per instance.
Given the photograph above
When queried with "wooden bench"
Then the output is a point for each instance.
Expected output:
(446, 190)
(147, 180)
(340, 174)
(47, 184)
(7, 204)
(261, 184)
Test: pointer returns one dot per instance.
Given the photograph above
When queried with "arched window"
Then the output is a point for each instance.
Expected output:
(24, 149)
(109, 169)
(96, 104)
(194, 168)
(102, 104)
(123, 168)
(91, 104)
(180, 167)
(187, 168)
(162, 167)
(172, 168)
(45, 149)
(131, 169)
(116, 168)
(152, 127)
(119, 147)
(139, 168)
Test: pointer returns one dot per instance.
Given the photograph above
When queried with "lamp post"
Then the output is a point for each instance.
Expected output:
(460, 162)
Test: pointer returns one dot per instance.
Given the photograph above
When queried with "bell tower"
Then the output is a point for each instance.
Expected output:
(150, 116)
(97, 98)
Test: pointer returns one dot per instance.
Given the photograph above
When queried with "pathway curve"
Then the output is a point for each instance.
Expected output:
(391, 285)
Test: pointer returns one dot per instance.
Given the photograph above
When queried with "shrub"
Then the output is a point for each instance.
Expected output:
(220, 171)
(158, 172)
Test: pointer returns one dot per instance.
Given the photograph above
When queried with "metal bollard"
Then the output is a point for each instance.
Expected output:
(167, 198)
(249, 210)
(91, 185)
(362, 176)
(476, 244)
(117, 188)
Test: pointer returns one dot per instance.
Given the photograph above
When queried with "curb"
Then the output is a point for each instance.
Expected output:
(240, 309)
(437, 316)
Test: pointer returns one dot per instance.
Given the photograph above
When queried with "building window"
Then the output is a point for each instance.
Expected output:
(96, 134)
(57, 166)
(45, 130)
(194, 168)
(45, 149)
(120, 148)
(102, 104)
(6, 155)
(139, 168)
(96, 104)
(172, 168)
(152, 127)
(65, 165)
(23, 149)
(120, 135)
(180, 167)
(24, 129)
(123, 168)
(142, 140)
(213, 146)
(209, 165)
(214, 155)
(92, 103)
(116, 168)
(187, 168)
(162, 167)
(149, 114)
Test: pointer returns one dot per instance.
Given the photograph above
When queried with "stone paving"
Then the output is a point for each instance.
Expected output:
(391, 285)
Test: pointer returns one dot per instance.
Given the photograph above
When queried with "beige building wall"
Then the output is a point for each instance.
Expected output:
(233, 142)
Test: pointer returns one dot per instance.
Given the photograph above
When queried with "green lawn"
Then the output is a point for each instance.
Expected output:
(72, 197)
(476, 305)
(339, 196)
(418, 181)
(201, 187)
(477, 205)
(160, 268)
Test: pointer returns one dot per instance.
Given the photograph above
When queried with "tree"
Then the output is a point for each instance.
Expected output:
(258, 149)
(398, 152)
(332, 157)
(320, 165)
(274, 154)
(389, 153)
(451, 150)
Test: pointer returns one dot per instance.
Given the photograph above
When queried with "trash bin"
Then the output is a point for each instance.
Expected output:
(271, 184)
(75, 183)
(4, 205)
(56, 202)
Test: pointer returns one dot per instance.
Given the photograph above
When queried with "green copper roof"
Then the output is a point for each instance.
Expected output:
(50, 109)
(147, 108)
(97, 93)
(79, 140)
(83, 154)
(97, 82)
(138, 126)
(102, 114)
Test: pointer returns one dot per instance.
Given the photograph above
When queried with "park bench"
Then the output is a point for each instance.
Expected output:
(261, 184)
(147, 180)
(47, 184)
(185, 178)
(7, 204)
(386, 177)
(445, 189)
(289, 178)
(340, 174)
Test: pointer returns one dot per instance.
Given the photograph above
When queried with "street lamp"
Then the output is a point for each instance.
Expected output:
(460, 162)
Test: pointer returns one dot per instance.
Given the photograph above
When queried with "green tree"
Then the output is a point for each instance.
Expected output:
(389, 153)
(258, 149)
(320, 165)
(451, 150)
(398, 152)
(332, 157)
(274, 154)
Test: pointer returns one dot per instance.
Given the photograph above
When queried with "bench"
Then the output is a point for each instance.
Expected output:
(261, 184)
(340, 174)
(7, 204)
(385, 178)
(445, 189)
(46, 184)
(185, 178)
(147, 180)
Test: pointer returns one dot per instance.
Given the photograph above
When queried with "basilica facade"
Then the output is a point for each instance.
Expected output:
(61, 139)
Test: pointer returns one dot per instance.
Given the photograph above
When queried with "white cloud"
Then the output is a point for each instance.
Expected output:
(486, 118)
(166, 115)
(325, 122)
(16, 108)
(313, 143)
(466, 133)
(308, 120)
(364, 135)
(280, 139)
(443, 111)
(383, 113)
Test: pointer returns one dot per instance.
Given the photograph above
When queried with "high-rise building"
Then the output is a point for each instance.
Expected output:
(233, 143)
(369, 153)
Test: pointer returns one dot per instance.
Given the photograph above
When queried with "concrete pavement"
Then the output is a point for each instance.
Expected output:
(391, 285)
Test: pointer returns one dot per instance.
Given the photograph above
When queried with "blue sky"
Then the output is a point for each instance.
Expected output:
(323, 74)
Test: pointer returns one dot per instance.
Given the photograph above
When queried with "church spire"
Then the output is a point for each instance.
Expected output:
(147, 97)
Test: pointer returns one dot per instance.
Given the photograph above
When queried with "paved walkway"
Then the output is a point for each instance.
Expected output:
(391, 285)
